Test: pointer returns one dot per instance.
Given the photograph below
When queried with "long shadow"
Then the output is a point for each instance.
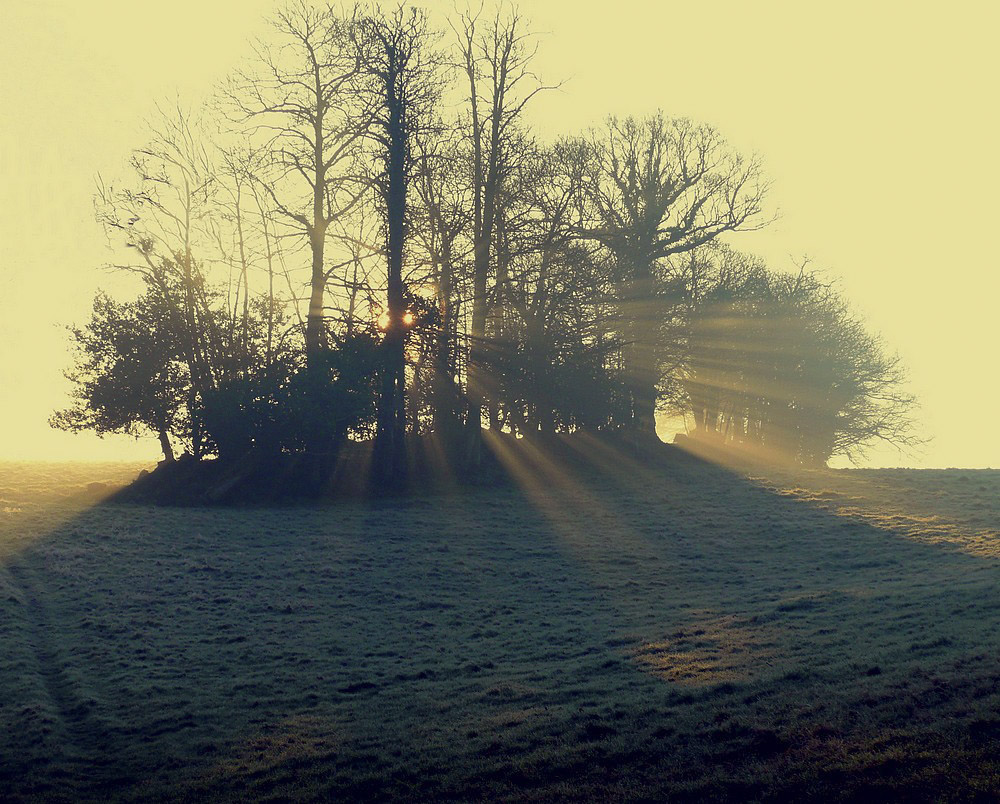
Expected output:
(610, 628)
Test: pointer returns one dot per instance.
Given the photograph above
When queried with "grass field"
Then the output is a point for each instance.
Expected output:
(688, 634)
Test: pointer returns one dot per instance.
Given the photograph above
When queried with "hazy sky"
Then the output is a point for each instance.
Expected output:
(877, 123)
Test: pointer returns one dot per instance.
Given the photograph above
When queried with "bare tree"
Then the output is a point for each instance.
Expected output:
(495, 57)
(444, 194)
(399, 58)
(551, 286)
(300, 97)
(658, 187)
(163, 217)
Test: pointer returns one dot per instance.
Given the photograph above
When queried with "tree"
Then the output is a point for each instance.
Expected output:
(161, 217)
(495, 59)
(399, 59)
(554, 298)
(443, 217)
(778, 364)
(326, 403)
(127, 378)
(658, 187)
(301, 99)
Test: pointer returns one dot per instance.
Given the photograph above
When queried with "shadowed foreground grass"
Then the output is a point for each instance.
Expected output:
(686, 634)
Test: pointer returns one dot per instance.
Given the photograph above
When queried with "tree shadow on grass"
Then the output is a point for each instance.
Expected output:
(611, 627)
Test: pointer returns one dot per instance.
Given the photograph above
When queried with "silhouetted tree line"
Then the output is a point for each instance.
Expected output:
(361, 237)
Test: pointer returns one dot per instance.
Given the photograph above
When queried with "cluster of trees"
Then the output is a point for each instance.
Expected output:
(361, 237)
(777, 363)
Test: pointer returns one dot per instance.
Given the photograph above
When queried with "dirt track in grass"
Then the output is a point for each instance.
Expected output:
(687, 634)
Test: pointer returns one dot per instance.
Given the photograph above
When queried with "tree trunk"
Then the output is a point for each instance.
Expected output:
(316, 444)
(444, 392)
(644, 409)
(168, 452)
(195, 415)
(389, 457)
(315, 340)
(640, 325)
(485, 192)
(315, 333)
(476, 378)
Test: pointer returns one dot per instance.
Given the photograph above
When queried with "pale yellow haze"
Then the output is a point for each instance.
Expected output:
(876, 122)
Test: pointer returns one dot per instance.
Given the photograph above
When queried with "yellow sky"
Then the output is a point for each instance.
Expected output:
(877, 123)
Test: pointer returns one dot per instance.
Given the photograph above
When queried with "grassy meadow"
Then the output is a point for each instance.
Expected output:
(686, 633)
